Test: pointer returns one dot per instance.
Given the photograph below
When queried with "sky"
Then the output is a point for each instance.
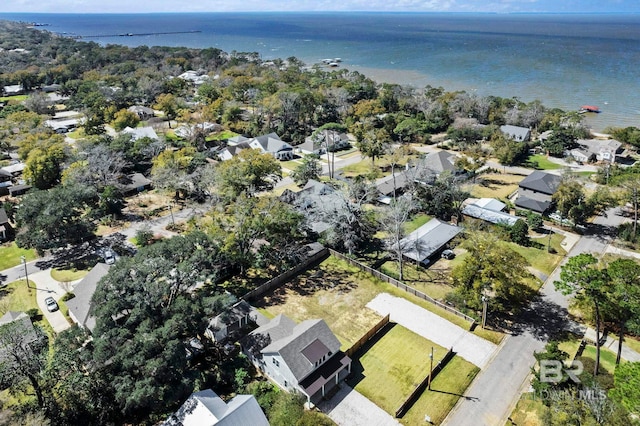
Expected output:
(160, 6)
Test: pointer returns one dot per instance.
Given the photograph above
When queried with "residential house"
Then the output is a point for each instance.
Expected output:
(235, 140)
(141, 132)
(14, 169)
(13, 90)
(233, 319)
(143, 112)
(232, 150)
(489, 210)
(133, 184)
(51, 88)
(5, 227)
(395, 183)
(303, 358)
(206, 408)
(589, 150)
(186, 131)
(272, 144)
(17, 190)
(516, 133)
(318, 143)
(535, 191)
(424, 243)
(314, 197)
(65, 121)
(436, 163)
(194, 77)
(80, 305)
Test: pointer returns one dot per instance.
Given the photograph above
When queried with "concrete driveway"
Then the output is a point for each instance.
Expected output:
(47, 286)
(430, 326)
(348, 407)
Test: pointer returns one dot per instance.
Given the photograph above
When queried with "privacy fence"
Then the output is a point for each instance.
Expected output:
(408, 403)
(401, 285)
(367, 336)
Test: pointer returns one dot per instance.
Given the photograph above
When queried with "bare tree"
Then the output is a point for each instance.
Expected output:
(392, 221)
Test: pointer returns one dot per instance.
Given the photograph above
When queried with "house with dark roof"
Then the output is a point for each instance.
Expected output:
(313, 198)
(304, 357)
(232, 150)
(318, 143)
(143, 112)
(535, 191)
(232, 319)
(423, 244)
(439, 162)
(80, 305)
(133, 184)
(206, 408)
(516, 133)
(272, 144)
(5, 227)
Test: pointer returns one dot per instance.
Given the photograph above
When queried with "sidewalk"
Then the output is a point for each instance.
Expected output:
(472, 348)
(612, 344)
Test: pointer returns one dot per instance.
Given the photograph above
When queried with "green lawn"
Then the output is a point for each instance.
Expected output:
(607, 357)
(541, 162)
(540, 258)
(223, 135)
(445, 391)
(17, 98)
(362, 168)
(416, 222)
(632, 343)
(528, 411)
(10, 255)
(66, 275)
(391, 369)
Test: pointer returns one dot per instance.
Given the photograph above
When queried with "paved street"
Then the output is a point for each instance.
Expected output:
(493, 394)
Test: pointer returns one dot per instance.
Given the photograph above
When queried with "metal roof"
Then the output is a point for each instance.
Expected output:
(428, 239)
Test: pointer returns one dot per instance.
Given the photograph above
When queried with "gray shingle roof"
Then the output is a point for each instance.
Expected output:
(291, 342)
(538, 181)
(439, 162)
(3, 216)
(80, 305)
(516, 133)
(539, 206)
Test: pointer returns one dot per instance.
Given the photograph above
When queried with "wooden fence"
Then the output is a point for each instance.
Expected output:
(401, 286)
(367, 336)
(287, 275)
(408, 403)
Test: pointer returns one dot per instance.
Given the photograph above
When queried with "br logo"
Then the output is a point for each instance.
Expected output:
(552, 371)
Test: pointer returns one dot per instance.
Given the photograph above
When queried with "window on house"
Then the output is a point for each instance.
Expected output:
(286, 384)
(275, 361)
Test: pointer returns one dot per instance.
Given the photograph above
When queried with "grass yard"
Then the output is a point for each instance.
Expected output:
(541, 162)
(416, 222)
(67, 275)
(540, 258)
(607, 357)
(528, 411)
(390, 370)
(10, 255)
(494, 185)
(338, 293)
(362, 168)
(446, 389)
(632, 343)
(221, 136)
(433, 282)
(16, 98)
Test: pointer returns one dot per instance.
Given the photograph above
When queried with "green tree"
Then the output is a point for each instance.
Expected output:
(491, 270)
(249, 172)
(373, 144)
(443, 198)
(570, 201)
(551, 353)
(55, 218)
(623, 301)
(310, 168)
(582, 278)
(43, 167)
(125, 118)
(519, 233)
(561, 139)
(140, 349)
(627, 386)
(168, 104)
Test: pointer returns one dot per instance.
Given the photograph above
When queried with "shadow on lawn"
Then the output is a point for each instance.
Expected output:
(468, 398)
(357, 369)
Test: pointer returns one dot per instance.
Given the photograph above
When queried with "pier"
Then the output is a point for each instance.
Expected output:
(136, 34)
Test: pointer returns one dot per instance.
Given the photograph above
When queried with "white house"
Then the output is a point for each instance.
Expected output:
(272, 144)
(304, 358)
(318, 143)
(595, 149)
(141, 132)
(206, 408)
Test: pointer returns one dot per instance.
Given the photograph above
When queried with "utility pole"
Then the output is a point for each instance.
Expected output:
(431, 369)
(26, 274)
(173, 222)
(484, 311)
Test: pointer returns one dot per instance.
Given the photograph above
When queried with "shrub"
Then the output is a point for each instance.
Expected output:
(67, 296)
(33, 313)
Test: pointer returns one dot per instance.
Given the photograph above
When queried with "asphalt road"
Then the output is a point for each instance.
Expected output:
(493, 394)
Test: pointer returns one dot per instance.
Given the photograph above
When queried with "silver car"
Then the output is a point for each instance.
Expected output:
(51, 303)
